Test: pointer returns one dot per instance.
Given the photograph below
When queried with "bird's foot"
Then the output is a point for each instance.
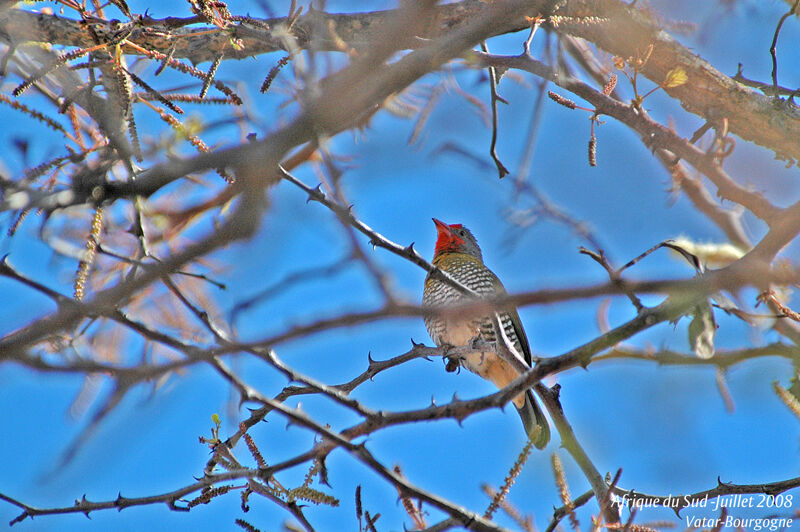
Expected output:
(451, 364)
(475, 341)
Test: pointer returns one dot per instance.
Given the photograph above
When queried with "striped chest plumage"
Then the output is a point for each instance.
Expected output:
(460, 327)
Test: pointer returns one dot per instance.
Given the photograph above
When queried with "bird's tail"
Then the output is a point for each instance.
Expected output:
(534, 421)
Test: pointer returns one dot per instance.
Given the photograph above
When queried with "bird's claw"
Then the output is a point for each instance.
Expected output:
(451, 364)
(475, 341)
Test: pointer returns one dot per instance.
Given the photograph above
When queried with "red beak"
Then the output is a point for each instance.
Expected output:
(441, 226)
(446, 240)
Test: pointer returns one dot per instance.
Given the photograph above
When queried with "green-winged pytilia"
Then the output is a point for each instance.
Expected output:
(458, 254)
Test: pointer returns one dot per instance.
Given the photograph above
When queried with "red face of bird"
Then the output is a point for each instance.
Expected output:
(455, 239)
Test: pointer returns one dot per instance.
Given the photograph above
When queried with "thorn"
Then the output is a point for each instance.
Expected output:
(555, 390)
(455, 398)
(243, 399)
(409, 249)
(413, 343)
(82, 502)
(252, 137)
(316, 193)
(370, 366)
(120, 502)
(433, 401)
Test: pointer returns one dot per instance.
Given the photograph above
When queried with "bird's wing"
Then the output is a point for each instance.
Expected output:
(516, 323)
(521, 336)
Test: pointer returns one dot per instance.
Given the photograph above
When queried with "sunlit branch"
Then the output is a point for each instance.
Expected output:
(722, 360)
(654, 134)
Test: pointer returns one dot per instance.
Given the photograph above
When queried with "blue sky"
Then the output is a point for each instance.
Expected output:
(667, 428)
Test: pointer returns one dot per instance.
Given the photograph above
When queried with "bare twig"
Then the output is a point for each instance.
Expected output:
(501, 169)
(774, 44)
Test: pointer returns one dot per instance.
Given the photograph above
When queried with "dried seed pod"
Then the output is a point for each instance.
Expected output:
(566, 102)
(273, 73)
(609, 86)
(210, 75)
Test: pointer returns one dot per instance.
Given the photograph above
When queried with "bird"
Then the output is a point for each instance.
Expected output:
(458, 254)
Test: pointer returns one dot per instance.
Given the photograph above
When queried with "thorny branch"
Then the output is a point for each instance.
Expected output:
(653, 133)
(749, 113)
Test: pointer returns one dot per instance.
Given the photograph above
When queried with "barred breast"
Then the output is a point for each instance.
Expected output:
(461, 328)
